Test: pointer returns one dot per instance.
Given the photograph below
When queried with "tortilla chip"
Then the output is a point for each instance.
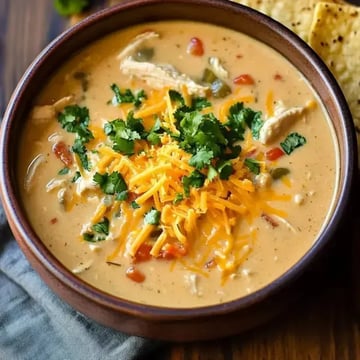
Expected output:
(335, 36)
(296, 15)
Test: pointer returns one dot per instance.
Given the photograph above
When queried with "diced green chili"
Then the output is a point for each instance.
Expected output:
(277, 173)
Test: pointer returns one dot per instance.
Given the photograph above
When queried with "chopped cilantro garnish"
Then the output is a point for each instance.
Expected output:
(292, 141)
(134, 205)
(80, 149)
(178, 198)
(241, 117)
(201, 158)
(111, 184)
(64, 171)
(75, 119)
(123, 195)
(127, 96)
(76, 176)
(202, 131)
(212, 173)
(99, 231)
(199, 103)
(225, 169)
(101, 227)
(195, 179)
(123, 134)
(70, 7)
(175, 96)
(152, 217)
(154, 135)
(252, 165)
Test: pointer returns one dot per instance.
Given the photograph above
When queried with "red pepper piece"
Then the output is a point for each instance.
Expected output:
(195, 47)
(63, 153)
(244, 79)
(143, 253)
(134, 274)
(274, 154)
(172, 251)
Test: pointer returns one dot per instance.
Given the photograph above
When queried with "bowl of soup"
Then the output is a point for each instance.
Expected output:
(171, 170)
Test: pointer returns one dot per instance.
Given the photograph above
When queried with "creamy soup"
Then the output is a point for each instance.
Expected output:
(178, 164)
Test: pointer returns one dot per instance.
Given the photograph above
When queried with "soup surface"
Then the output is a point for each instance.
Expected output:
(178, 164)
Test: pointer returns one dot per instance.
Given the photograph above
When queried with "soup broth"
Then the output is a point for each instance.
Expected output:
(178, 164)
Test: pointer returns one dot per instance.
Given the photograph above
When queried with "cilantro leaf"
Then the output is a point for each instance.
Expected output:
(175, 96)
(75, 119)
(241, 117)
(98, 232)
(127, 96)
(201, 158)
(199, 103)
(102, 227)
(80, 149)
(134, 205)
(178, 198)
(252, 165)
(292, 141)
(152, 217)
(70, 7)
(110, 184)
(91, 237)
(202, 131)
(76, 176)
(195, 179)
(212, 173)
(123, 134)
(154, 135)
(64, 171)
(225, 169)
(122, 195)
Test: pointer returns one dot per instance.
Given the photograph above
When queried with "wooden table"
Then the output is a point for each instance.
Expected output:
(323, 324)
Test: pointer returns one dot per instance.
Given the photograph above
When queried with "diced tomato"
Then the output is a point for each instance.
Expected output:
(195, 47)
(244, 79)
(132, 196)
(143, 253)
(173, 251)
(134, 274)
(62, 152)
(274, 154)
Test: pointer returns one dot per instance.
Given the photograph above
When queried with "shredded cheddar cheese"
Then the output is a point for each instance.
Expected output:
(204, 224)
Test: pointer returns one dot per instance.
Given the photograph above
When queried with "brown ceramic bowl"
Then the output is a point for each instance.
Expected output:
(160, 322)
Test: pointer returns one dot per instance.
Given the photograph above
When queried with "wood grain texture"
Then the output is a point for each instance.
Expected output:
(324, 323)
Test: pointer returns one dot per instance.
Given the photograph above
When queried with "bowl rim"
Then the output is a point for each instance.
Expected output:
(151, 312)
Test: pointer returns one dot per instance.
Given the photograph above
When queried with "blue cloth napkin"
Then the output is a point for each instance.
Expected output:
(35, 324)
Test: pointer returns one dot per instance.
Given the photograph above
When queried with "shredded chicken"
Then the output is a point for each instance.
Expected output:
(55, 184)
(160, 76)
(217, 68)
(276, 125)
(135, 44)
(31, 170)
(191, 280)
(82, 267)
(42, 113)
